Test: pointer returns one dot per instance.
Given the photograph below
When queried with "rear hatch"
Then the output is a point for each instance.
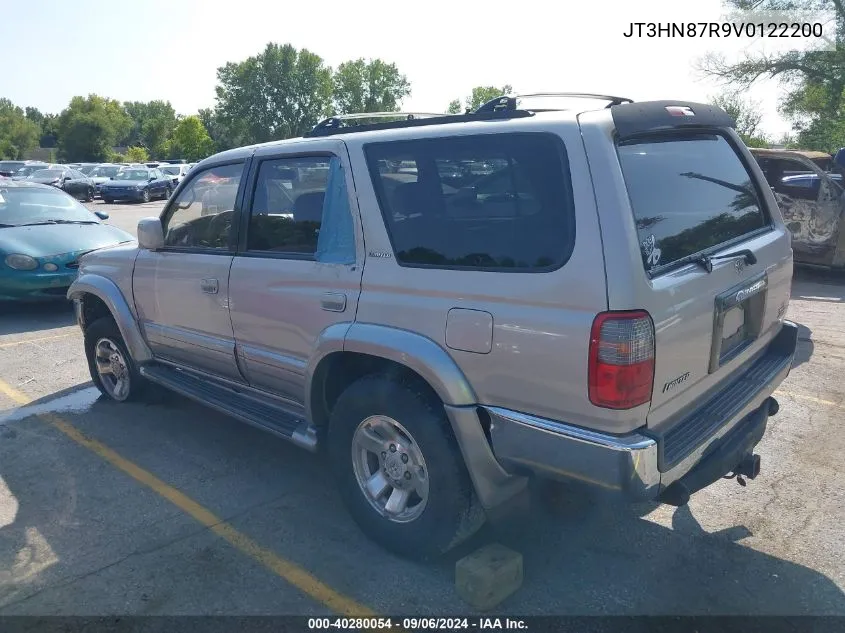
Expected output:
(715, 255)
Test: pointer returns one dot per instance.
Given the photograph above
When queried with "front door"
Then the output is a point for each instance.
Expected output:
(182, 290)
(298, 268)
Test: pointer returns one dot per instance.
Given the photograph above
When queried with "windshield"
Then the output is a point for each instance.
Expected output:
(24, 205)
(29, 169)
(173, 171)
(106, 172)
(47, 173)
(10, 165)
(87, 169)
(134, 174)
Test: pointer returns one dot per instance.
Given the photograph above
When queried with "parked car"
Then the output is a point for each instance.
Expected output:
(9, 167)
(87, 168)
(75, 183)
(43, 232)
(103, 173)
(137, 184)
(812, 202)
(175, 172)
(28, 170)
(602, 300)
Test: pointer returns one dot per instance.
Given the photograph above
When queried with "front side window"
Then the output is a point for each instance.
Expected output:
(301, 207)
(491, 202)
(201, 216)
(688, 194)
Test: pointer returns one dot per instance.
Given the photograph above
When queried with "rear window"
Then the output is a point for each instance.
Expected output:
(688, 194)
(491, 202)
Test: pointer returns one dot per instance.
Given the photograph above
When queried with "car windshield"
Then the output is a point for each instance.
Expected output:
(87, 169)
(173, 171)
(47, 173)
(106, 171)
(29, 169)
(25, 205)
(134, 174)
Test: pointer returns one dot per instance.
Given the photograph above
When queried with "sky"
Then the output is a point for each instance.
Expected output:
(170, 49)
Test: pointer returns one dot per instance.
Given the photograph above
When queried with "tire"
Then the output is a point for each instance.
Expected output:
(104, 335)
(145, 196)
(89, 197)
(108, 200)
(167, 193)
(450, 514)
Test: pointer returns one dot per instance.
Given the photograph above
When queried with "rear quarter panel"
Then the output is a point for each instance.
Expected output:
(537, 362)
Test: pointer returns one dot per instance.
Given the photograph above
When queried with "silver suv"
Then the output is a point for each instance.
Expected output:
(450, 305)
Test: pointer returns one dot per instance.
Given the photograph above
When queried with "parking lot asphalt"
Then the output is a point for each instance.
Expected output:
(170, 508)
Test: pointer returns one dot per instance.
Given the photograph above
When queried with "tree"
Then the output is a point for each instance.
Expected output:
(190, 140)
(813, 80)
(136, 154)
(152, 124)
(90, 126)
(368, 86)
(18, 134)
(479, 96)
(279, 93)
(746, 115)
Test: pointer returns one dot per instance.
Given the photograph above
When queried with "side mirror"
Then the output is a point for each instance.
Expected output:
(66, 178)
(152, 178)
(102, 215)
(111, 177)
(150, 234)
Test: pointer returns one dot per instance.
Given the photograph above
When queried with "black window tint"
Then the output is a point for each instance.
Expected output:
(492, 202)
(201, 217)
(287, 206)
(688, 194)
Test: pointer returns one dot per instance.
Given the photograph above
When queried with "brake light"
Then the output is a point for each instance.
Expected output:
(621, 370)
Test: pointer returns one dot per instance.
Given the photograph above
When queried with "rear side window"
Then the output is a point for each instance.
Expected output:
(688, 194)
(491, 202)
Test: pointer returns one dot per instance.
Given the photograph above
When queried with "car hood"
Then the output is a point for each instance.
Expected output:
(57, 239)
(99, 180)
(125, 183)
(44, 181)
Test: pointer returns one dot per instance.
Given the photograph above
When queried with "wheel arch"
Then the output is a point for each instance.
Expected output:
(95, 288)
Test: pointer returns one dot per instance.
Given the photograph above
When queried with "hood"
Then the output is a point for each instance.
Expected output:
(99, 180)
(57, 239)
(125, 183)
(45, 181)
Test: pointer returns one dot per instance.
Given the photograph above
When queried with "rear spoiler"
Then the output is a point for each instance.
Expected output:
(645, 117)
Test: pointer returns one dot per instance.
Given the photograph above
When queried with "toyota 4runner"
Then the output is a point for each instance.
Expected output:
(451, 304)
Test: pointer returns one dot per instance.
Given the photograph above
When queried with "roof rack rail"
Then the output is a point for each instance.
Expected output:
(506, 102)
(334, 125)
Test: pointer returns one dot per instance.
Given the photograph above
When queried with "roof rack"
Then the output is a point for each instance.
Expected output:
(506, 102)
(334, 125)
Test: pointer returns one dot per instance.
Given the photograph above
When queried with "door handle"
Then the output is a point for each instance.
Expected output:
(210, 286)
(333, 301)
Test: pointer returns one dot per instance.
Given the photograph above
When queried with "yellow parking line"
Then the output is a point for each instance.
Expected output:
(36, 340)
(289, 571)
(801, 396)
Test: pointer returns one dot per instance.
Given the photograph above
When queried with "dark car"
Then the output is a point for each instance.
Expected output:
(43, 233)
(102, 173)
(75, 183)
(9, 167)
(140, 185)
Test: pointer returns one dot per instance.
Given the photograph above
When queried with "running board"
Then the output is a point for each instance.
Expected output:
(236, 402)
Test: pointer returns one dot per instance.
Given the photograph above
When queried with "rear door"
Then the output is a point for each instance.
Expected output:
(694, 192)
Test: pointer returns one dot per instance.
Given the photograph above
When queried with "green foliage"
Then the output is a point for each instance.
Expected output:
(190, 140)
(368, 86)
(116, 157)
(136, 154)
(152, 125)
(479, 96)
(747, 116)
(90, 126)
(18, 134)
(279, 93)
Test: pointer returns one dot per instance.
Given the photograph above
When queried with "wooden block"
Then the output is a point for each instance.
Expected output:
(488, 576)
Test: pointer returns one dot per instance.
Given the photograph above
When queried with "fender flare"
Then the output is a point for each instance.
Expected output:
(108, 292)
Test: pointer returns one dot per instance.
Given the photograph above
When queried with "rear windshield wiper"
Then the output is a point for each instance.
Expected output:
(706, 261)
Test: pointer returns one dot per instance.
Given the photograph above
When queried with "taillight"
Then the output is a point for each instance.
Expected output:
(621, 373)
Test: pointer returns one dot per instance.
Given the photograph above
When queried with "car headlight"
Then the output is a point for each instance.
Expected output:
(21, 262)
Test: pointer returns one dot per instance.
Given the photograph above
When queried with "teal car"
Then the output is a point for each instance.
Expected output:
(43, 233)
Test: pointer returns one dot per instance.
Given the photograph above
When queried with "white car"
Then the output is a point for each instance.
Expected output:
(175, 172)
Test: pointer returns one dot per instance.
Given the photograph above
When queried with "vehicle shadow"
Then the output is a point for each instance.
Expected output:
(17, 318)
(587, 554)
(805, 348)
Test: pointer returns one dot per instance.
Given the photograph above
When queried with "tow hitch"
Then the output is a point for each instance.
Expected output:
(748, 467)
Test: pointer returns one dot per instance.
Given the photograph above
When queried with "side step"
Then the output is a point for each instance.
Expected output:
(240, 402)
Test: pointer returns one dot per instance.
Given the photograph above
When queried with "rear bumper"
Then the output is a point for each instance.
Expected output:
(635, 464)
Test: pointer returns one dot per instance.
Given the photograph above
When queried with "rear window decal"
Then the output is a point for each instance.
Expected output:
(650, 250)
